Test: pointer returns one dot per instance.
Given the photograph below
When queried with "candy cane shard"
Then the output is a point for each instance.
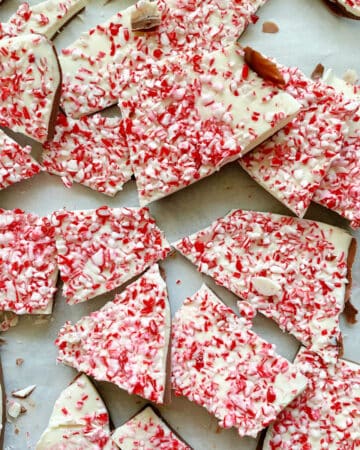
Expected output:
(190, 119)
(92, 151)
(147, 426)
(292, 164)
(28, 269)
(30, 82)
(100, 249)
(220, 364)
(44, 18)
(125, 342)
(110, 60)
(294, 271)
(79, 420)
(340, 189)
(16, 163)
(326, 414)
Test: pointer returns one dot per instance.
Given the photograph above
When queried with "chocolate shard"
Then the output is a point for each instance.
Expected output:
(350, 313)
(145, 17)
(318, 72)
(265, 68)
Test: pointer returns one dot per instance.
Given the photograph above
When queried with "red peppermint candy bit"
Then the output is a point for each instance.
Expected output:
(29, 81)
(125, 342)
(327, 412)
(92, 151)
(28, 269)
(292, 164)
(94, 80)
(294, 271)
(101, 249)
(340, 189)
(16, 164)
(191, 119)
(79, 419)
(242, 381)
(148, 427)
(44, 18)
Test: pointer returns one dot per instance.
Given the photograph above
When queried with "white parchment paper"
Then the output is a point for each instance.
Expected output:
(308, 34)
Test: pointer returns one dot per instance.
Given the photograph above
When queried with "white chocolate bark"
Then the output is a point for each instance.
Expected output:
(146, 431)
(79, 420)
(107, 62)
(220, 364)
(92, 151)
(326, 415)
(44, 18)
(125, 342)
(204, 113)
(100, 249)
(29, 81)
(292, 164)
(340, 189)
(16, 163)
(28, 269)
(306, 261)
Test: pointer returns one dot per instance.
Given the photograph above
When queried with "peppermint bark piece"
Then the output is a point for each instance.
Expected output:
(2, 407)
(125, 342)
(28, 269)
(292, 164)
(346, 8)
(79, 420)
(220, 364)
(340, 189)
(107, 62)
(147, 427)
(101, 249)
(294, 271)
(16, 163)
(190, 119)
(30, 82)
(92, 151)
(326, 414)
(44, 18)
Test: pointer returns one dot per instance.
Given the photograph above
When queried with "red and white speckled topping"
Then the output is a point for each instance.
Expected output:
(79, 420)
(101, 249)
(44, 18)
(29, 81)
(340, 189)
(125, 342)
(105, 64)
(28, 269)
(147, 431)
(190, 119)
(92, 151)
(292, 270)
(326, 415)
(220, 364)
(293, 162)
(16, 164)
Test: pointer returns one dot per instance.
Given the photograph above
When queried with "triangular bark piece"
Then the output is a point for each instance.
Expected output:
(79, 420)
(125, 342)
